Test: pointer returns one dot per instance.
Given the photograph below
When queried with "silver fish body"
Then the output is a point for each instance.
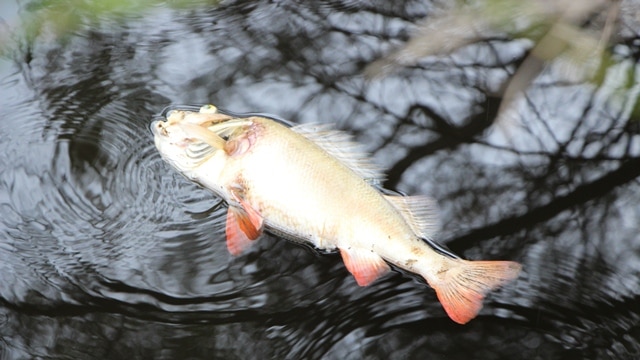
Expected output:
(309, 184)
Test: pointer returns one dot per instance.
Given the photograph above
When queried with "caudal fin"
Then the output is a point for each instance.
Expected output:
(464, 284)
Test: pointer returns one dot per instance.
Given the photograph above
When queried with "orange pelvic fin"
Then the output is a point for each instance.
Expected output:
(243, 226)
(365, 265)
(462, 287)
(251, 224)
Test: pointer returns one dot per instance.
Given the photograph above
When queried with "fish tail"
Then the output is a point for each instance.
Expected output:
(461, 285)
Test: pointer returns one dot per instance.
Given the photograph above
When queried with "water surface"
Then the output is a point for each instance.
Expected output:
(109, 253)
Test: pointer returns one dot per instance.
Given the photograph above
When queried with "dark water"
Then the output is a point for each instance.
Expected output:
(107, 253)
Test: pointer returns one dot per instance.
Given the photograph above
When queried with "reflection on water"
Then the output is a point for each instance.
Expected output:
(108, 253)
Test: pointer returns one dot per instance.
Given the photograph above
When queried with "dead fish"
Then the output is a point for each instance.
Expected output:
(308, 183)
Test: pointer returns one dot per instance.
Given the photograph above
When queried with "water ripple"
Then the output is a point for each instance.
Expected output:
(101, 216)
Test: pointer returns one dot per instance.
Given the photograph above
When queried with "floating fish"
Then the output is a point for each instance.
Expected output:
(309, 184)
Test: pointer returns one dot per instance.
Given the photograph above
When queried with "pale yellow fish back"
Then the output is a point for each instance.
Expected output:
(340, 145)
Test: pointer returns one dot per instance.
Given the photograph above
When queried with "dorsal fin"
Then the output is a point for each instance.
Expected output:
(420, 212)
(340, 145)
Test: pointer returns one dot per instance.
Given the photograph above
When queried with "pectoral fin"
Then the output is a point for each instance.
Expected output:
(365, 265)
(203, 134)
(243, 226)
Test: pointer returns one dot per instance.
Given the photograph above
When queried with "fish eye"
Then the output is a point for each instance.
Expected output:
(208, 109)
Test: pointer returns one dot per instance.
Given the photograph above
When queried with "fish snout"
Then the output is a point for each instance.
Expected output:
(158, 128)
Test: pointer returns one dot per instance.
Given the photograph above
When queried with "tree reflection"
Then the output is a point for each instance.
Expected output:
(555, 186)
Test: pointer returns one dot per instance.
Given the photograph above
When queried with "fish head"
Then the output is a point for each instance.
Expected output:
(188, 138)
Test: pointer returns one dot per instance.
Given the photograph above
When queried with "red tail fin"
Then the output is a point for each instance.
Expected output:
(463, 286)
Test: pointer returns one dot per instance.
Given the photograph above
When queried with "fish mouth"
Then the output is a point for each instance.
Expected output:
(157, 127)
(212, 109)
(184, 128)
(159, 120)
(206, 123)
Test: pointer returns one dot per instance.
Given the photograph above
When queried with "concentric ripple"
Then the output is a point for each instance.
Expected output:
(100, 216)
(110, 209)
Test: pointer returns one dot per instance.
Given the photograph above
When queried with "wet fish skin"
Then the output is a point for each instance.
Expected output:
(310, 185)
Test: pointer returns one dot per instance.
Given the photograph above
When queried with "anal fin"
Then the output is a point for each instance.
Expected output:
(365, 265)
